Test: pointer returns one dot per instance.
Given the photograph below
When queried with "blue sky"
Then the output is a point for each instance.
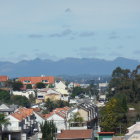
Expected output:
(56, 29)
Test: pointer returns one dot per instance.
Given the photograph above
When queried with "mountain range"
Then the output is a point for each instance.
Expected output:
(67, 66)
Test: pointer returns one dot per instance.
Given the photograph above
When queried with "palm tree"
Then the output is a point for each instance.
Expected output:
(3, 122)
(76, 119)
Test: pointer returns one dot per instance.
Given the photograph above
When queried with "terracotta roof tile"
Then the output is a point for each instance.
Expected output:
(3, 78)
(22, 113)
(75, 134)
(35, 80)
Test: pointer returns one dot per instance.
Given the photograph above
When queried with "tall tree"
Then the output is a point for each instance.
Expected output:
(48, 130)
(17, 86)
(3, 123)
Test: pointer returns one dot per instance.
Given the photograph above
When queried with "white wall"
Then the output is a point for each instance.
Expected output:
(59, 122)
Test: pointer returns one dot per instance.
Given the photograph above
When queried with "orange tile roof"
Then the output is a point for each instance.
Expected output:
(75, 134)
(22, 113)
(3, 78)
(35, 80)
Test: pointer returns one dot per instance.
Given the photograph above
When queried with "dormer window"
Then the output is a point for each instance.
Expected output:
(44, 81)
(27, 81)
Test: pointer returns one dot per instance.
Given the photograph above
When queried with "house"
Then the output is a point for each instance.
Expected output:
(88, 111)
(3, 80)
(58, 116)
(44, 94)
(61, 88)
(133, 132)
(6, 110)
(26, 93)
(33, 80)
(60, 85)
(22, 123)
(75, 135)
(105, 135)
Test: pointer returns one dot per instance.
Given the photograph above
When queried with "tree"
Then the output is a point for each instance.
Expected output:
(3, 122)
(48, 130)
(17, 86)
(40, 85)
(50, 104)
(76, 119)
(29, 86)
(77, 91)
(113, 115)
(20, 100)
(4, 96)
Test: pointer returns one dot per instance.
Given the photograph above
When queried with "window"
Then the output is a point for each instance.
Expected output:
(27, 81)
(44, 81)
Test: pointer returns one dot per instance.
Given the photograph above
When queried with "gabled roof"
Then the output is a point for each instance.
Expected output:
(58, 111)
(3, 78)
(22, 113)
(35, 80)
(75, 134)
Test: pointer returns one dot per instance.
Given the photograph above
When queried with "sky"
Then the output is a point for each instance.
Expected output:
(56, 29)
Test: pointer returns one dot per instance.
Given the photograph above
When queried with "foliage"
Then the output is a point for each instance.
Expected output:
(51, 86)
(126, 82)
(48, 130)
(78, 91)
(76, 119)
(50, 104)
(113, 115)
(4, 96)
(40, 85)
(20, 100)
(29, 86)
(3, 122)
(17, 86)
(32, 98)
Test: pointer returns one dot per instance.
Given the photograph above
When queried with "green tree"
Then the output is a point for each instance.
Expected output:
(20, 100)
(17, 86)
(51, 105)
(40, 85)
(77, 91)
(4, 96)
(48, 130)
(76, 120)
(29, 86)
(3, 122)
(32, 98)
(113, 115)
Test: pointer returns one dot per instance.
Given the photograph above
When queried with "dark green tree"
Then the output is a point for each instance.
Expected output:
(40, 85)
(3, 122)
(48, 130)
(29, 86)
(17, 86)
(4, 96)
(20, 100)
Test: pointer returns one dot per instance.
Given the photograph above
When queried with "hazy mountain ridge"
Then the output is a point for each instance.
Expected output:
(68, 66)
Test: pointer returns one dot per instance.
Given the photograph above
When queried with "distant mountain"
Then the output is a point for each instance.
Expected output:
(67, 66)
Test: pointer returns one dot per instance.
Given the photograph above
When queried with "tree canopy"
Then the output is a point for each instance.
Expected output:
(40, 85)
(48, 130)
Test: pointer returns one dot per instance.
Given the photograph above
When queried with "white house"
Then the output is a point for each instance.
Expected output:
(24, 93)
(22, 122)
(60, 85)
(133, 132)
(58, 119)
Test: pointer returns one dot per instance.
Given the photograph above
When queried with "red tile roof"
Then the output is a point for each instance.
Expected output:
(22, 113)
(75, 134)
(35, 80)
(59, 111)
(3, 78)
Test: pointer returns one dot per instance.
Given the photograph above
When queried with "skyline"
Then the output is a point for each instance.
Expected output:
(54, 30)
